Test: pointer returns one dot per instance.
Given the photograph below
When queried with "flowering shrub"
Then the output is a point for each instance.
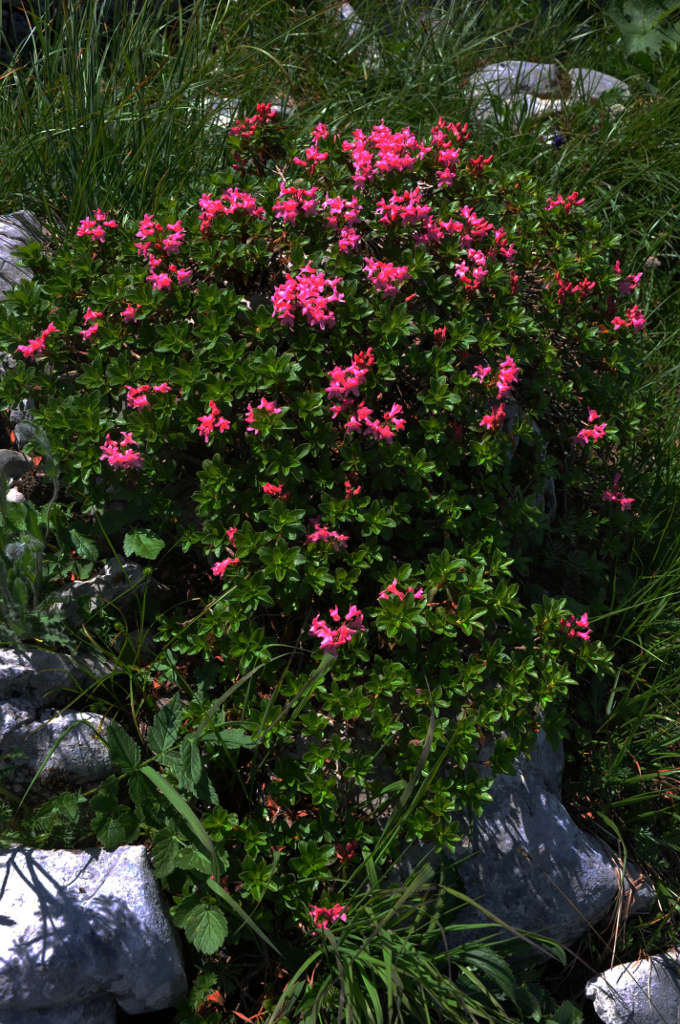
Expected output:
(391, 375)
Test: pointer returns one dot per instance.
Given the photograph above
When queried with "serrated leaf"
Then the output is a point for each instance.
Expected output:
(204, 924)
(124, 751)
(232, 739)
(165, 851)
(119, 829)
(84, 547)
(191, 761)
(143, 543)
(164, 729)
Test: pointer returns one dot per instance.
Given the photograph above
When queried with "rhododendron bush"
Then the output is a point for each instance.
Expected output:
(392, 398)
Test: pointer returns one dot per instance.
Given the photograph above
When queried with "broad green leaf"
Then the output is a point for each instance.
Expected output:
(204, 924)
(164, 851)
(233, 739)
(165, 726)
(143, 543)
(183, 809)
(124, 751)
(84, 547)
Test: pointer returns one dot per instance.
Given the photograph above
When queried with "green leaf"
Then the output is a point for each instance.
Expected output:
(84, 547)
(124, 751)
(233, 739)
(143, 543)
(182, 807)
(204, 924)
(164, 729)
(119, 829)
(165, 851)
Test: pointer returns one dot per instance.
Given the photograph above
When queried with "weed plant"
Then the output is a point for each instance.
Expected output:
(339, 429)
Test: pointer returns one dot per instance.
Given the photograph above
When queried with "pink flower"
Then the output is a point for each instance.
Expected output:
(351, 492)
(332, 639)
(481, 372)
(440, 335)
(212, 420)
(348, 239)
(635, 318)
(569, 625)
(275, 491)
(231, 532)
(159, 281)
(136, 397)
(265, 406)
(306, 292)
(386, 277)
(129, 313)
(322, 533)
(392, 590)
(567, 203)
(587, 434)
(183, 276)
(95, 228)
(616, 495)
(90, 316)
(163, 388)
(36, 345)
(219, 568)
(323, 916)
(493, 419)
(118, 454)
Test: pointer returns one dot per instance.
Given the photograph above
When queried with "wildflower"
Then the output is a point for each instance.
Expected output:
(118, 454)
(570, 626)
(307, 293)
(219, 568)
(332, 639)
(163, 388)
(247, 127)
(159, 281)
(634, 318)
(493, 419)
(322, 533)
(393, 591)
(572, 200)
(129, 313)
(95, 228)
(587, 434)
(351, 492)
(36, 345)
(616, 495)
(136, 397)
(183, 276)
(275, 491)
(265, 406)
(439, 334)
(212, 420)
(386, 277)
(323, 916)
(629, 282)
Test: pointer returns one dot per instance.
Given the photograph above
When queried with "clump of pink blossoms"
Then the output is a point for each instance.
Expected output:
(588, 434)
(332, 639)
(393, 591)
(232, 201)
(119, 454)
(634, 318)
(323, 916)
(36, 345)
(312, 293)
(137, 396)
(617, 495)
(94, 227)
(293, 201)
(265, 406)
(571, 200)
(386, 277)
(577, 627)
(211, 421)
(323, 533)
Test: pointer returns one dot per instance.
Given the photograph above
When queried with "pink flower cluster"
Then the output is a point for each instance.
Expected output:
(137, 396)
(275, 491)
(323, 916)
(36, 345)
(219, 568)
(313, 155)
(345, 210)
(448, 156)
(247, 127)
(583, 287)
(386, 277)
(95, 228)
(232, 200)
(406, 208)
(382, 151)
(588, 434)
(332, 639)
(294, 201)
(472, 270)
(91, 317)
(130, 312)
(119, 454)
(211, 421)
(164, 246)
(477, 164)
(615, 494)
(344, 385)
(306, 292)
(162, 280)
(266, 406)
(322, 533)
(392, 590)
(634, 318)
(506, 376)
(629, 282)
(572, 200)
(570, 626)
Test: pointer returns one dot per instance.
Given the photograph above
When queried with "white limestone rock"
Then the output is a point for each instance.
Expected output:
(16, 229)
(42, 677)
(639, 992)
(84, 928)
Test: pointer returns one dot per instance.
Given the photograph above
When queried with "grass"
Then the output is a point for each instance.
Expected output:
(117, 115)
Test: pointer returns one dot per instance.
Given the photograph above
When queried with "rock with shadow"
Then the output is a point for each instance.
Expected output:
(82, 933)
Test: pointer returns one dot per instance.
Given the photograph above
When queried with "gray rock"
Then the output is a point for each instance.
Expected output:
(640, 992)
(117, 581)
(84, 926)
(16, 229)
(13, 464)
(43, 678)
(588, 85)
(94, 1011)
(67, 750)
(526, 861)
